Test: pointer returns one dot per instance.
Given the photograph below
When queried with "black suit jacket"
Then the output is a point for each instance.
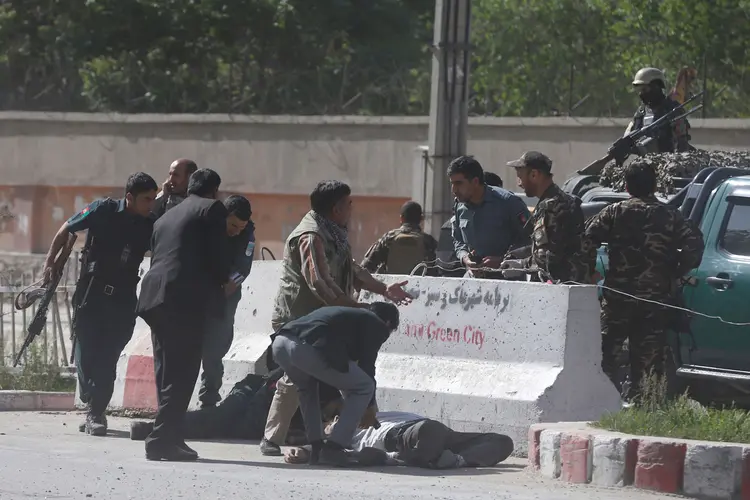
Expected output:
(189, 259)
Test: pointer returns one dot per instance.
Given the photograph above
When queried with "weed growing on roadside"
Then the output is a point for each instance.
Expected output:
(35, 375)
(658, 415)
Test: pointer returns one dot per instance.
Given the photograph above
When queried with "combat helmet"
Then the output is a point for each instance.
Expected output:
(646, 76)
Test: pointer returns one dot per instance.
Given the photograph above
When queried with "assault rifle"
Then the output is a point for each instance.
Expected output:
(47, 294)
(622, 147)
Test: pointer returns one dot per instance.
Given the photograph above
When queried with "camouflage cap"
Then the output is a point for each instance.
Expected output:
(533, 159)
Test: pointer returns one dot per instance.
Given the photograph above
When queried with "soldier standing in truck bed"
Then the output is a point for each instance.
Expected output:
(400, 250)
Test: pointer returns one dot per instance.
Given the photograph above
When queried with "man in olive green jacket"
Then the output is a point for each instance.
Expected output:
(318, 270)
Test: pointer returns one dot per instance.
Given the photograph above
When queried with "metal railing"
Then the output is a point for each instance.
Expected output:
(54, 343)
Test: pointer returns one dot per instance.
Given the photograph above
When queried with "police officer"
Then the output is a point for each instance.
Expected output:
(220, 330)
(119, 234)
(400, 250)
(650, 85)
(650, 246)
(557, 225)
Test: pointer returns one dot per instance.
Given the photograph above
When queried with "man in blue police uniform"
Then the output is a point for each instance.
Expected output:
(220, 330)
(119, 234)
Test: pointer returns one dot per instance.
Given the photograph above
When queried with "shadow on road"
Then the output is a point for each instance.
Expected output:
(402, 471)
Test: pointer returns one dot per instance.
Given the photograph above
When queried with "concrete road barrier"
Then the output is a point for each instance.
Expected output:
(478, 355)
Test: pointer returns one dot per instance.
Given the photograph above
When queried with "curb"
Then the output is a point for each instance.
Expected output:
(577, 453)
(36, 401)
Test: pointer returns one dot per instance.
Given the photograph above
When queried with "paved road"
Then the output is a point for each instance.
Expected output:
(42, 455)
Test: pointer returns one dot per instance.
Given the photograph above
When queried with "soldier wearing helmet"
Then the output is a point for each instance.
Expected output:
(650, 84)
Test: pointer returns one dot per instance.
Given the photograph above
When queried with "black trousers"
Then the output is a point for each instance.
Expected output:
(216, 343)
(422, 443)
(102, 330)
(177, 337)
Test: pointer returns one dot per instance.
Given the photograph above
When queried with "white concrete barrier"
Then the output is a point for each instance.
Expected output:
(478, 355)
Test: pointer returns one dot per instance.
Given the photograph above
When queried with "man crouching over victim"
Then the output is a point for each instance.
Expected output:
(409, 439)
(337, 346)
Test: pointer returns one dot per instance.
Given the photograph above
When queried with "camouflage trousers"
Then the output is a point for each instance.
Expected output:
(645, 327)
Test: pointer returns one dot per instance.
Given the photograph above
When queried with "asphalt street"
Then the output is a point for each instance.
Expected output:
(42, 455)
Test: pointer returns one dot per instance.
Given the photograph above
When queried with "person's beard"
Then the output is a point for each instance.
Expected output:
(652, 98)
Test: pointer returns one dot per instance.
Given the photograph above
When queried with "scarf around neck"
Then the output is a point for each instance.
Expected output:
(340, 234)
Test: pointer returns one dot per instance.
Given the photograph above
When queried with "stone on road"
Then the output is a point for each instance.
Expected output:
(42, 455)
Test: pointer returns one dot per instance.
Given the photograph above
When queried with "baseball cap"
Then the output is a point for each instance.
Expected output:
(533, 159)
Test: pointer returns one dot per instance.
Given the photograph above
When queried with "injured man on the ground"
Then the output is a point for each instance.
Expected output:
(402, 439)
(410, 439)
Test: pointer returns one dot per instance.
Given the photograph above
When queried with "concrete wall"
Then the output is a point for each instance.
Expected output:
(52, 161)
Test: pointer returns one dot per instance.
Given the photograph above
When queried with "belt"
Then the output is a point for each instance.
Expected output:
(394, 434)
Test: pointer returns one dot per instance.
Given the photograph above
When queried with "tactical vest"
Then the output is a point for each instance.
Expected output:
(406, 251)
(664, 141)
(294, 298)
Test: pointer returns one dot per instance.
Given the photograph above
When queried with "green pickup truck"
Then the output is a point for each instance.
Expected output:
(713, 357)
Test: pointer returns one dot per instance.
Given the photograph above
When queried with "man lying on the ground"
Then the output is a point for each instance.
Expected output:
(409, 439)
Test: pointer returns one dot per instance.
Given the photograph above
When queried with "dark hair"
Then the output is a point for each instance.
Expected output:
(203, 182)
(387, 312)
(467, 166)
(411, 211)
(492, 179)
(640, 179)
(139, 183)
(326, 194)
(239, 206)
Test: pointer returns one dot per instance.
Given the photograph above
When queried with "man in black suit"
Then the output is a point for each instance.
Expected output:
(189, 266)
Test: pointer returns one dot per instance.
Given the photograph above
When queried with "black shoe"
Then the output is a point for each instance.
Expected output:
(333, 454)
(171, 454)
(96, 425)
(269, 449)
(183, 446)
(82, 426)
(140, 430)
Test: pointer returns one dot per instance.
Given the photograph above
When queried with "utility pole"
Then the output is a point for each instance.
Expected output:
(448, 107)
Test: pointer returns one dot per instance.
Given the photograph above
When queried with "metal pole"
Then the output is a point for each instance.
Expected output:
(448, 105)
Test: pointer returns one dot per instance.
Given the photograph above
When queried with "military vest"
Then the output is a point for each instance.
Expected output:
(406, 251)
(294, 298)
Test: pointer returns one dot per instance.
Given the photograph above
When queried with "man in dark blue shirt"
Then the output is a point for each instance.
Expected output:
(220, 330)
(488, 220)
(119, 234)
(337, 346)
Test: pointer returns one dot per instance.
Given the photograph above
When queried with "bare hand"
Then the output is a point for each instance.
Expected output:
(166, 188)
(49, 271)
(397, 294)
(297, 456)
(229, 288)
(493, 262)
(469, 263)
(369, 419)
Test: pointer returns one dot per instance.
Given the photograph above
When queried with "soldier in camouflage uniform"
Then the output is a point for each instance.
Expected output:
(650, 85)
(651, 246)
(557, 225)
(400, 250)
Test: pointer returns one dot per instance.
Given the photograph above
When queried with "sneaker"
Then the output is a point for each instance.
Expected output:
(96, 425)
(269, 449)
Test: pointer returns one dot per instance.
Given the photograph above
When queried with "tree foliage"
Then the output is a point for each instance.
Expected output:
(530, 57)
